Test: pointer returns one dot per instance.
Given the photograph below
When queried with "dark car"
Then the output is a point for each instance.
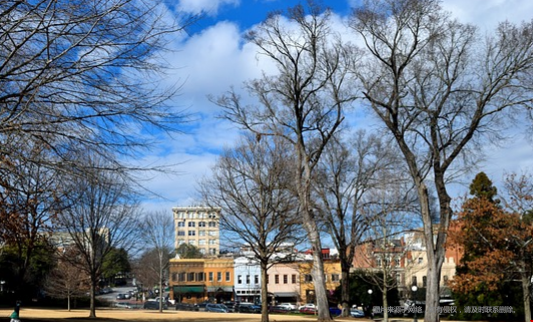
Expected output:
(153, 305)
(202, 305)
(230, 305)
(221, 308)
(335, 311)
(248, 308)
(187, 307)
(121, 296)
(279, 309)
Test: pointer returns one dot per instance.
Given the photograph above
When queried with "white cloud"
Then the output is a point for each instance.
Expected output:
(217, 58)
(486, 14)
(209, 7)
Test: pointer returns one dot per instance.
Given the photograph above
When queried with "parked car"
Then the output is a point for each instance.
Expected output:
(221, 308)
(308, 305)
(165, 300)
(356, 313)
(106, 290)
(308, 310)
(122, 305)
(230, 305)
(289, 306)
(187, 307)
(246, 307)
(121, 296)
(335, 311)
(203, 304)
(279, 309)
(153, 305)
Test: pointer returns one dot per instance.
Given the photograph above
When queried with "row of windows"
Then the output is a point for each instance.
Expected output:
(248, 292)
(425, 280)
(308, 278)
(200, 233)
(211, 224)
(201, 277)
(278, 279)
(201, 242)
(239, 279)
(285, 279)
(200, 215)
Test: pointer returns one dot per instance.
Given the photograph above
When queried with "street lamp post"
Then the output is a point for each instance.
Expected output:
(414, 289)
(370, 311)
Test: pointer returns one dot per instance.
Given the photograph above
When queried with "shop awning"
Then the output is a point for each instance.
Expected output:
(188, 289)
(213, 289)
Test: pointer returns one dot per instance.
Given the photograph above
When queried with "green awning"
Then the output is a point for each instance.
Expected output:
(188, 289)
(212, 289)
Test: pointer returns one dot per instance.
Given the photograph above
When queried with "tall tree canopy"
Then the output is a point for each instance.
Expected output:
(438, 87)
(253, 184)
(302, 104)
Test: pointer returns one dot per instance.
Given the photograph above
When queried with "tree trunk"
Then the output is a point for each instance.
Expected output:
(432, 293)
(436, 247)
(434, 250)
(68, 302)
(345, 290)
(526, 291)
(318, 272)
(160, 282)
(313, 233)
(92, 309)
(264, 293)
(385, 303)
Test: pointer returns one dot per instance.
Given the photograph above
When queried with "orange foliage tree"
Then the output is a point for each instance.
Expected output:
(498, 248)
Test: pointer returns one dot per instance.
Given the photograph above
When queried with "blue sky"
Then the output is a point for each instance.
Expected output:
(213, 56)
(246, 13)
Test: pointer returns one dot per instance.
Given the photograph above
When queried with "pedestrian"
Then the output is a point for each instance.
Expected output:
(15, 315)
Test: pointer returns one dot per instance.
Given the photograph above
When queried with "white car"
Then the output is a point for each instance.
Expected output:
(356, 313)
(308, 305)
(288, 306)
(123, 305)
(173, 302)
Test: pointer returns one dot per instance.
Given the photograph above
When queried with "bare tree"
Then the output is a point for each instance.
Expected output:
(302, 104)
(66, 280)
(143, 269)
(520, 191)
(389, 216)
(252, 184)
(345, 175)
(31, 197)
(83, 75)
(102, 217)
(158, 234)
(439, 87)
(76, 76)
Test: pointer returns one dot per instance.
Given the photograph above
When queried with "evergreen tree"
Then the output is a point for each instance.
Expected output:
(484, 273)
(481, 187)
(189, 251)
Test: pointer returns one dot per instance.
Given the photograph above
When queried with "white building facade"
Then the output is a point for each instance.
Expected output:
(247, 279)
(198, 226)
